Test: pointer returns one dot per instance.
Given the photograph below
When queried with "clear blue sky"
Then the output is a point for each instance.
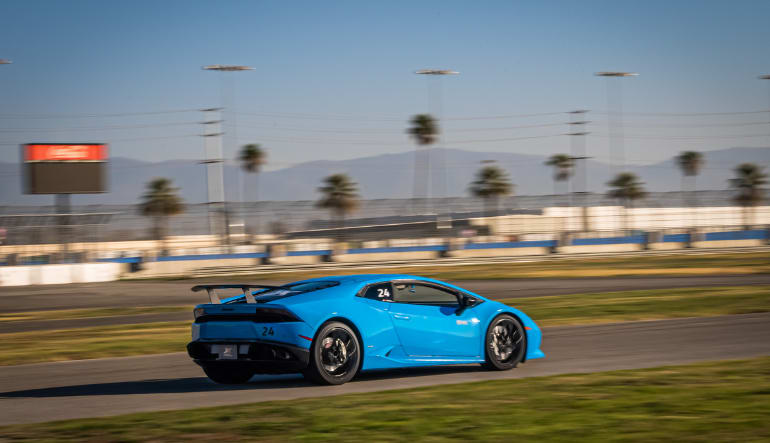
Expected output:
(334, 80)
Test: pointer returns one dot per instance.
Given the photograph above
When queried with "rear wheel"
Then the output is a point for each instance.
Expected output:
(335, 355)
(229, 374)
(505, 343)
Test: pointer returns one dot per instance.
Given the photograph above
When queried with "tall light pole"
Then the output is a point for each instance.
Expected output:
(435, 107)
(615, 117)
(215, 153)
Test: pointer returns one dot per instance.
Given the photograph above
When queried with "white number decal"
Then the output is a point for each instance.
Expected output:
(383, 293)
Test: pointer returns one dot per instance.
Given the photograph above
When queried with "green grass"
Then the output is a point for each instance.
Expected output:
(675, 264)
(654, 304)
(720, 401)
(69, 314)
(162, 337)
(96, 342)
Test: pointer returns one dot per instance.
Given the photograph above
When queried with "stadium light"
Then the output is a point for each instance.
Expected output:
(227, 68)
(434, 105)
(615, 74)
(616, 129)
(436, 72)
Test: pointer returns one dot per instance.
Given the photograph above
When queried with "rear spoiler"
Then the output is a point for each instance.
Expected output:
(244, 287)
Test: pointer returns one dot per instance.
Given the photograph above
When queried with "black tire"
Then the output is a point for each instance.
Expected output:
(504, 344)
(228, 374)
(335, 356)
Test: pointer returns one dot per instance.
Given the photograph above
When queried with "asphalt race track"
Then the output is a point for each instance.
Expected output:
(103, 387)
(167, 293)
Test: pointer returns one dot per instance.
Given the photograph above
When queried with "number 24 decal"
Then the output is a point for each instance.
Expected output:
(383, 293)
(267, 331)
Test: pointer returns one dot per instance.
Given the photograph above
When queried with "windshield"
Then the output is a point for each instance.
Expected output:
(266, 295)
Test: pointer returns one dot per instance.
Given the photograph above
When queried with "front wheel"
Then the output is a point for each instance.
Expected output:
(335, 355)
(228, 374)
(505, 343)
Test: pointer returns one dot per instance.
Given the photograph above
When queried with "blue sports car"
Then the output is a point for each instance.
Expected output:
(331, 328)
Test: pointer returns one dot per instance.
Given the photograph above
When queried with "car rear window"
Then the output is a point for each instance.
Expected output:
(293, 289)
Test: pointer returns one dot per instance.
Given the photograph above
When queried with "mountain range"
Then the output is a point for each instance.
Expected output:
(382, 176)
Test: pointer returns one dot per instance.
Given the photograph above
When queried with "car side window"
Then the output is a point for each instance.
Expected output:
(380, 292)
(420, 294)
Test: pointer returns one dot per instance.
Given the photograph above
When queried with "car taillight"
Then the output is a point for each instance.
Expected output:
(197, 312)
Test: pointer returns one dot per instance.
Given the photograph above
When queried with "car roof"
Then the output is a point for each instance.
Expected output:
(366, 278)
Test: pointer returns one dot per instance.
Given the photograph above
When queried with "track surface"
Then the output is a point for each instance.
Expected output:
(156, 293)
(89, 388)
(128, 294)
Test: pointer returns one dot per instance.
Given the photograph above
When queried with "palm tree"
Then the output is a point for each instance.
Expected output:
(690, 163)
(161, 201)
(562, 165)
(627, 188)
(340, 196)
(748, 182)
(425, 131)
(491, 183)
(252, 158)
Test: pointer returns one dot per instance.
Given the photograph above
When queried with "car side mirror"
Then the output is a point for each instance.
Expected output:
(466, 301)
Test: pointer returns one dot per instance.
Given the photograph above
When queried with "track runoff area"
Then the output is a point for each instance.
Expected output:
(598, 328)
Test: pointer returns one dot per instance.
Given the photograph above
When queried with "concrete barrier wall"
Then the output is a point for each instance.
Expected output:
(184, 267)
(59, 274)
(728, 243)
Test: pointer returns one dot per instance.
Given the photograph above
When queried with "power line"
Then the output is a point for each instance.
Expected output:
(123, 114)
(121, 139)
(688, 114)
(99, 128)
(685, 137)
(378, 131)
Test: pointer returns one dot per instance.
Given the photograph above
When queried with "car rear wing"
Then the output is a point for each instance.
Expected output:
(211, 289)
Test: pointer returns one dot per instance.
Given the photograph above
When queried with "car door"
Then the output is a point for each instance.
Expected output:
(429, 322)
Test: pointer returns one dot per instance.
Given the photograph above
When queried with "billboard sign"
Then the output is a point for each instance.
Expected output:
(64, 168)
(67, 152)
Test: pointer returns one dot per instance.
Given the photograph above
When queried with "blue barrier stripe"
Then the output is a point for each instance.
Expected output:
(756, 234)
(303, 253)
(676, 238)
(608, 240)
(119, 260)
(397, 249)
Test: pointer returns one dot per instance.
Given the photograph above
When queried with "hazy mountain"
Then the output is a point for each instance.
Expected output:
(382, 176)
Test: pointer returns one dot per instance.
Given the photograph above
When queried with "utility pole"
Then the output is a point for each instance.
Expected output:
(578, 155)
(212, 158)
(216, 174)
